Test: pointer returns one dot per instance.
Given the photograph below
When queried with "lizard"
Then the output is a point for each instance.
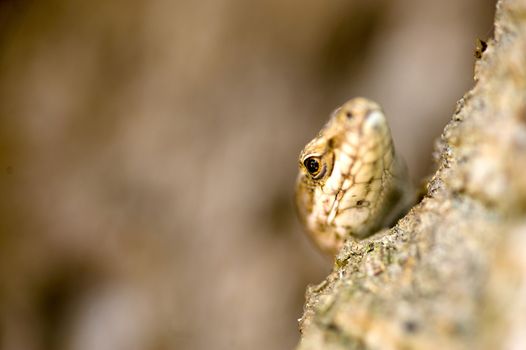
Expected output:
(351, 182)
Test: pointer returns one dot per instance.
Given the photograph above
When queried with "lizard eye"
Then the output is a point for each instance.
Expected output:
(312, 164)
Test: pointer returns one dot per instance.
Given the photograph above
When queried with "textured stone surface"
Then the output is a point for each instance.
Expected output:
(452, 273)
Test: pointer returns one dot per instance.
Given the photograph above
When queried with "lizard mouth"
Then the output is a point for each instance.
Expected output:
(334, 207)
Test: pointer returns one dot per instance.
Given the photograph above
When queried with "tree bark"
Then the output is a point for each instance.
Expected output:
(452, 273)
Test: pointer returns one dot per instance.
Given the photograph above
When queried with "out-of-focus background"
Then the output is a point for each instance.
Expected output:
(148, 153)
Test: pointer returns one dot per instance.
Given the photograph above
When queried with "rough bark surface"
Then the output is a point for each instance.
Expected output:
(452, 273)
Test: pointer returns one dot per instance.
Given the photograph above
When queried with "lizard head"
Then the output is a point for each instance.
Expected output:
(340, 174)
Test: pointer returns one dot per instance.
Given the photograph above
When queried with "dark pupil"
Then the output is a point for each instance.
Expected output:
(312, 165)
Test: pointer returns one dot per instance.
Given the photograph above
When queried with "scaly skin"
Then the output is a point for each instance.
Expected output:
(350, 182)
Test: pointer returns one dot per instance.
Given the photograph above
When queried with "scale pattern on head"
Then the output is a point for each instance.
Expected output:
(349, 180)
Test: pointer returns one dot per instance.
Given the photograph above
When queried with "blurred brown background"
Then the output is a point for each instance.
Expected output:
(148, 156)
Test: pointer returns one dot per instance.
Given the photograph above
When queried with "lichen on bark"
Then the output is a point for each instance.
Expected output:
(452, 273)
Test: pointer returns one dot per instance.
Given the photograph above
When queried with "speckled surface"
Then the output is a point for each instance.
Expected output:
(451, 274)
